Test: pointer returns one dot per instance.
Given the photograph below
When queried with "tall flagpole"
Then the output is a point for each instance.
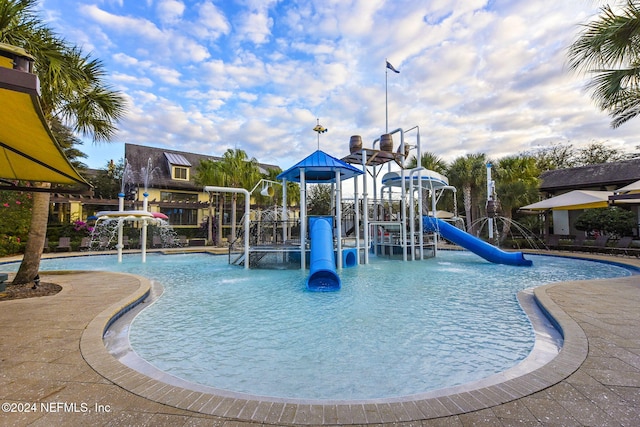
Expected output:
(386, 97)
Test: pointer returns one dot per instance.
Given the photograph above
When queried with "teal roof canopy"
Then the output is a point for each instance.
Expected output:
(320, 167)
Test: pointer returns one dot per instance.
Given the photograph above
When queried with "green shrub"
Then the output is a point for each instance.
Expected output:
(614, 221)
(15, 211)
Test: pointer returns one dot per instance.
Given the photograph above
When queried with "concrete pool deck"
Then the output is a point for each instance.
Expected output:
(55, 370)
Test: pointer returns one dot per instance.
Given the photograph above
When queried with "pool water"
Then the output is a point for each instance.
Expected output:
(394, 329)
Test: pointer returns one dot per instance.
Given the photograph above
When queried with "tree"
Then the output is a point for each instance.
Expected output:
(468, 173)
(516, 185)
(554, 156)
(319, 200)
(72, 91)
(240, 172)
(429, 161)
(209, 172)
(107, 183)
(615, 221)
(596, 153)
(608, 49)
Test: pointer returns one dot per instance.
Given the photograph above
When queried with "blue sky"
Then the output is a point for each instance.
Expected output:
(204, 76)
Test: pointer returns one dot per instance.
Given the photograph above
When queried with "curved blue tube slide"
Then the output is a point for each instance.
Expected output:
(473, 244)
(322, 262)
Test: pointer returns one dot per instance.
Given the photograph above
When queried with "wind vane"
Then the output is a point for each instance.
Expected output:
(320, 129)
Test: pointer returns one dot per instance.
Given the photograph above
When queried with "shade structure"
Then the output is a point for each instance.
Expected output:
(28, 150)
(319, 167)
(634, 187)
(573, 200)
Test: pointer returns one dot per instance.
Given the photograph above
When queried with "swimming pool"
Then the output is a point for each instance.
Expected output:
(395, 329)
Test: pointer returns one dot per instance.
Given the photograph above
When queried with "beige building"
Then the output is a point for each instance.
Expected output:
(167, 176)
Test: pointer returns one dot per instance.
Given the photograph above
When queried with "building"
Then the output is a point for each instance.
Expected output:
(167, 176)
(604, 177)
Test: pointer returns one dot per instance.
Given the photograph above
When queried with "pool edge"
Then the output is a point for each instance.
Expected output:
(568, 360)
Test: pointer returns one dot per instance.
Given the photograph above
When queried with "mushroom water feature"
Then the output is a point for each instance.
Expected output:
(143, 215)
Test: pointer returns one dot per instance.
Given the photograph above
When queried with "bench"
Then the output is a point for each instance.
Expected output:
(197, 242)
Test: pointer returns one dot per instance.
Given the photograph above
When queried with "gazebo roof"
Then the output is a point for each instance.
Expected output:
(319, 167)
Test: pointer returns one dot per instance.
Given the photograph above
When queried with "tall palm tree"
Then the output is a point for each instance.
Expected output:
(468, 172)
(608, 48)
(516, 185)
(240, 172)
(209, 172)
(72, 91)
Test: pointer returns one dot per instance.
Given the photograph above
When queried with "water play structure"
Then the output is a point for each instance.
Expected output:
(397, 218)
(110, 224)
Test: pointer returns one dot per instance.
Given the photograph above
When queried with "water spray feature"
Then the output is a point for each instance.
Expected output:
(110, 223)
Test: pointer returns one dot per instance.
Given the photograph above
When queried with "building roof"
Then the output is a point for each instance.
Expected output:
(177, 159)
(319, 167)
(138, 157)
(604, 176)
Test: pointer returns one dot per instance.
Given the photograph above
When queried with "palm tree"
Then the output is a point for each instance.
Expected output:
(73, 92)
(608, 49)
(468, 172)
(209, 172)
(240, 172)
(516, 185)
(429, 161)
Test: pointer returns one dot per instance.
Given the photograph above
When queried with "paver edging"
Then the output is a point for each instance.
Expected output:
(575, 346)
(568, 360)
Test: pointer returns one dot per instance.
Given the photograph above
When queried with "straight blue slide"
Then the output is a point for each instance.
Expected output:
(322, 262)
(473, 244)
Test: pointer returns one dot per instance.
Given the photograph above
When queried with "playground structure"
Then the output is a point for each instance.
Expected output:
(399, 221)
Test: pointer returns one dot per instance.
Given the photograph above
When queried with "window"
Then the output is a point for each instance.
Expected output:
(180, 173)
(177, 197)
(180, 216)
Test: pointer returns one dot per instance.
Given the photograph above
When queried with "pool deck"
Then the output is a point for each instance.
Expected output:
(55, 370)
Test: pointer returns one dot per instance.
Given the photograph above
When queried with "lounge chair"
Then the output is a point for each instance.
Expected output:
(623, 247)
(552, 241)
(599, 244)
(85, 244)
(64, 244)
(576, 244)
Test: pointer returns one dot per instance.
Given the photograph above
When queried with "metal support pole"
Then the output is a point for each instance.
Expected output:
(356, 221)
(143, 235)
(303, 220)
(412, 218)
(247, 209)
(365, 208)
(338, 220)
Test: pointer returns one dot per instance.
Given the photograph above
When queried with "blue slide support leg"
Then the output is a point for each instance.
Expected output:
(473, 244)
(322, 263)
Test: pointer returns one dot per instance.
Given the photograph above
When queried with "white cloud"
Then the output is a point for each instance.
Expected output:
(476, 75)
(211, 22)
(170, 11)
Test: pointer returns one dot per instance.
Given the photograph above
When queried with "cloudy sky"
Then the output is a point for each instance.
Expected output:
(475, 75)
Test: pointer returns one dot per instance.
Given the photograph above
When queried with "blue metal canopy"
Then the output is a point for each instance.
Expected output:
(320, 167)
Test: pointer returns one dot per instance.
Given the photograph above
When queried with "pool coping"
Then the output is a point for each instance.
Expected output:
(440, 403)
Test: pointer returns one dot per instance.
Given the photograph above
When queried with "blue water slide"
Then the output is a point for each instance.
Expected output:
(322, 262)
(473, 244)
